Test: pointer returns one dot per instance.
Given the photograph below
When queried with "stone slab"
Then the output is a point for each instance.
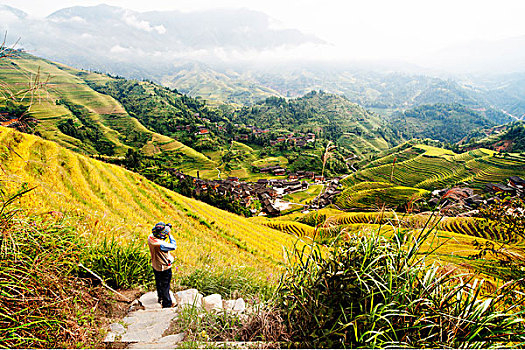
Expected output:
(168, 342)
(189, 297)
(150, 300)
(145, 326)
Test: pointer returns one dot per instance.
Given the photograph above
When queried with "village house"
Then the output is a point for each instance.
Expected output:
(310, 137)
(309, 175)
(202, 132)
(516, 182)
(272, 169)
(499, 188)
(279, 172)
(300, 143)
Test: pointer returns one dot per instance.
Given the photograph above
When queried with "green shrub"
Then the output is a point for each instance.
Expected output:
(371, 292)
(120, 265)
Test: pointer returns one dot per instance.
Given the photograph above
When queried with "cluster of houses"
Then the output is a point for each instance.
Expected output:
(264, 190)
(326, 198)
(276, 170)
(515, 187)
(462, 201)
(306, 175)
(257, 131)
(298, 140)
(301, 140)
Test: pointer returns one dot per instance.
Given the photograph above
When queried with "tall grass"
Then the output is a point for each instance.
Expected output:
(43, 301)
(120, 265)
(372, 291)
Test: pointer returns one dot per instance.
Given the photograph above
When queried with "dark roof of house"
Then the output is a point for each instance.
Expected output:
(518, 180)
(500, 187)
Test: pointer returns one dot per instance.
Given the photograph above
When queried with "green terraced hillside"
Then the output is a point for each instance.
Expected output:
(376, 195)
(74, 115)
(427, 167)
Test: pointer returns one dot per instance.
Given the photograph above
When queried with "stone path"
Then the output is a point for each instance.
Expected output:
(144, 328)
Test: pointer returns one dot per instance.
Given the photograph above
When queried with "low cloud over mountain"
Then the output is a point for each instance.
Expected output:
(88, 35)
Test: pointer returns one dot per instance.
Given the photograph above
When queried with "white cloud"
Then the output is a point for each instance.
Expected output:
(74, 19)
(133, 21)
(160, 29)
(7, 17)
(119, 49)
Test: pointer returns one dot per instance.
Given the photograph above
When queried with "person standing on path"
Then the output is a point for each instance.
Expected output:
(161, 260)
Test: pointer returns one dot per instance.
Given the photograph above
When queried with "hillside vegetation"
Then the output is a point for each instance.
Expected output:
(427, 167)
(74, 115)
(330, 116)
(508, 138)
(453, 241)
(112, 117)
(113, 202)
(443, 122)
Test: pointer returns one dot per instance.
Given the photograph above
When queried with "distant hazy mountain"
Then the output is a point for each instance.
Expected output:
(87, 35)
(495, 56)
(206, 54)
(371, 87)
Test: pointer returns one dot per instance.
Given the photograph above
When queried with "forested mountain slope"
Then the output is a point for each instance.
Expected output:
(443, 122)
(330, 116)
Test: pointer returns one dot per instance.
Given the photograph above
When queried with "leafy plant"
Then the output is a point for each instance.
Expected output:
(376, 292)
(121, 265)
(509, 213)
(42, 302)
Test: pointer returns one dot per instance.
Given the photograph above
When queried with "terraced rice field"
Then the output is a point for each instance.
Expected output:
(109, 116)
(113, 202)
(453, 241)
(377, 195)
(432, 168)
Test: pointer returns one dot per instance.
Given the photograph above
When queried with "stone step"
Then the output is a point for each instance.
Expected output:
(168, 342)
(142, 326)
(147, 325)
(150, 300)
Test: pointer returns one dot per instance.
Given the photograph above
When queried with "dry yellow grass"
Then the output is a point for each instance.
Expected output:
(111, 201)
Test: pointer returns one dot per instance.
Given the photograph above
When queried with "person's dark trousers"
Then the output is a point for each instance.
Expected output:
(162, 282)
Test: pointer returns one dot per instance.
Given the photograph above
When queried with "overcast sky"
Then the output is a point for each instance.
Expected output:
(405, 29)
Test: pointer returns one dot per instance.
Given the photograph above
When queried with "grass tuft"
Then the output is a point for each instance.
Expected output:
(371, 291)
